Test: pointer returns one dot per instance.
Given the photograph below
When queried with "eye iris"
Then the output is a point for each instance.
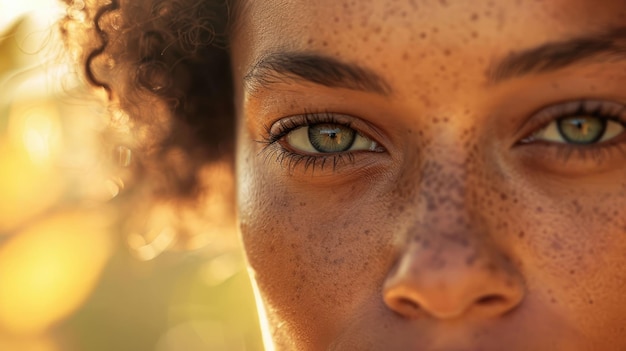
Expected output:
(331, 137)
(582, 130)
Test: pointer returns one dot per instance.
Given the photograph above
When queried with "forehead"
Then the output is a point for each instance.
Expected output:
(361, 30)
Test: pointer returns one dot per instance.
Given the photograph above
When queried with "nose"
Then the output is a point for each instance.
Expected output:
(448, 281)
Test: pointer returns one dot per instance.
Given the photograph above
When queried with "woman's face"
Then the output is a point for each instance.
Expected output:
(435, 175)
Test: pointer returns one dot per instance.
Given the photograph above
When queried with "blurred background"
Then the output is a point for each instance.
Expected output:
(70, 279)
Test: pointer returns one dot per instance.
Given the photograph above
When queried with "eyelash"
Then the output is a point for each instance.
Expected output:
(292, 159)
(605, 110)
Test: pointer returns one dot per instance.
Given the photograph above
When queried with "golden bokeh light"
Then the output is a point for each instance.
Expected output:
(75, 276)
(47, 270)
(29, 182)
(41, 343)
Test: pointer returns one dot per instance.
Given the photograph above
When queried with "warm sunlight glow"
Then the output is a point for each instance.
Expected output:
(49, 269)
(40, 343)
(26, 188)
(41, 133)
(264, 322)
(149, 247)
(82, 265)
(29, 181)
(13, 9)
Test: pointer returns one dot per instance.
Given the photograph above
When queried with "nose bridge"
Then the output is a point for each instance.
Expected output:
(446, 194)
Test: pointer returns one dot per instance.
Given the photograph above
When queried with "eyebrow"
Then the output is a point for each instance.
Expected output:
(280, 67)
(557, 55)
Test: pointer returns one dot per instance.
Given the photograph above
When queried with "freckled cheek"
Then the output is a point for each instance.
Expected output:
(573, 254)
(312, 248)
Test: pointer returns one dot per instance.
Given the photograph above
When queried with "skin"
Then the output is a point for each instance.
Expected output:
(455, 235)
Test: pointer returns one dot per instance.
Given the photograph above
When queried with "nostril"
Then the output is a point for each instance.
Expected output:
(490, 300)
(408, 303)
(404, 306)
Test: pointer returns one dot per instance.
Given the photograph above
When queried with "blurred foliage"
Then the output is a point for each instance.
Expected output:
(70, 280)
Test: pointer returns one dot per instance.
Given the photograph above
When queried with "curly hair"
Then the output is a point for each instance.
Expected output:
(165, 68)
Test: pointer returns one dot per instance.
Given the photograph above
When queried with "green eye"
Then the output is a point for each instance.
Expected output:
(331, 137)
(580, 130)
(328, 138)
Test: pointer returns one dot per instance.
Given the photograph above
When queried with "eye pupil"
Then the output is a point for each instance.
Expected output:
(582, 130)
(331, 137)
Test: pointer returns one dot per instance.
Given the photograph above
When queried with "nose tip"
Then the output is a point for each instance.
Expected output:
(485, 289)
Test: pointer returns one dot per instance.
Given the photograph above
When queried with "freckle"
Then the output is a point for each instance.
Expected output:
(470, 260)
(435, 30)
(590, 301)
(310, 41)
(447, 52)
(426, 244)
(325, 43)
(336, 19)
(423, 35)
(553, 300)
(521, 234)
(405, 56)
(443, 2)
(474, 34)
(366, 232)
(436, 120)
(303, 204)
(539, 209)
(572, 272)
(474, 17)
(459, 220)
